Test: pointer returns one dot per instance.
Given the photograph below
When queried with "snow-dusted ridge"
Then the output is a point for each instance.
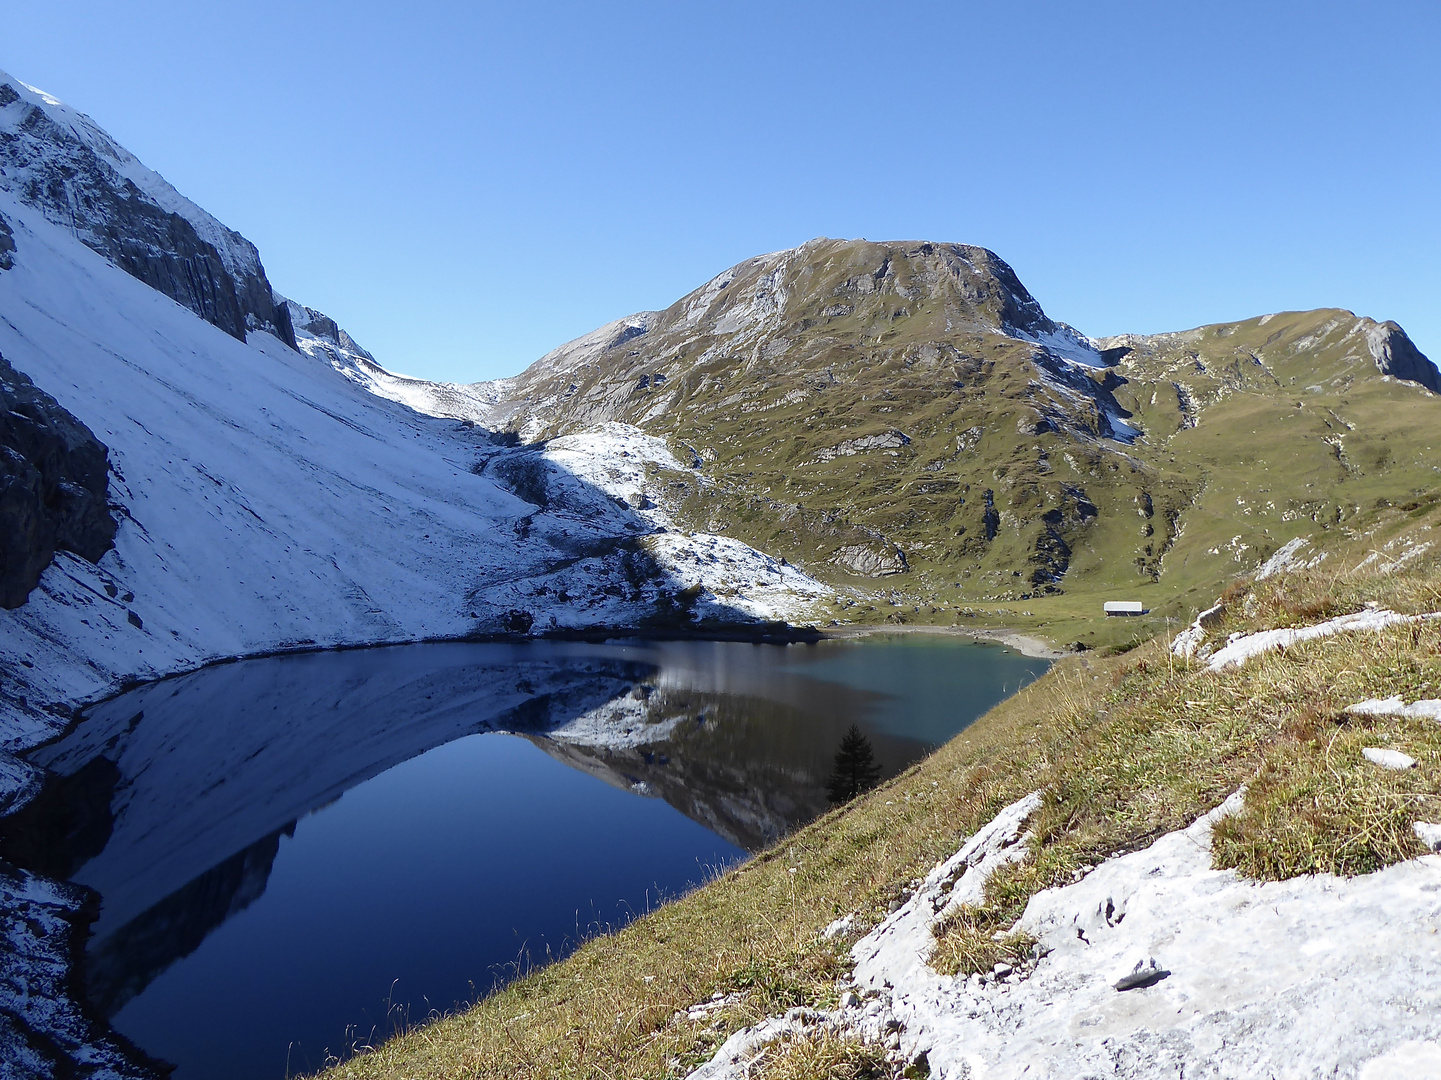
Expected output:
(318, 337)
(239, 255)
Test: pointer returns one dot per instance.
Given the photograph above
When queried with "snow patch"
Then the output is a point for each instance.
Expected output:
(1249, 646)
(1066, 343)
(1425, 709)
(733, 578)
(1388, 759)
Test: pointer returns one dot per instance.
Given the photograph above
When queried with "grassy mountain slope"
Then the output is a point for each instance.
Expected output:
(1124, 747)
(903, 419)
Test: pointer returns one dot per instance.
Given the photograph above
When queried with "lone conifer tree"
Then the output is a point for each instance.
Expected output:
(856, 767)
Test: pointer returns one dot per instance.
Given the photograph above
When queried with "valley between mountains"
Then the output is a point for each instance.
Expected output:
(846, 434)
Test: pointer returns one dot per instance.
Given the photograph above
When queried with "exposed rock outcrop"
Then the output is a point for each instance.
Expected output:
(871, 560)
(53, 478)
(7, 245)
(58, 161)
(1396, 355)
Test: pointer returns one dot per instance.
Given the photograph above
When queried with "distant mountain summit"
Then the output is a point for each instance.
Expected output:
(819, 307)
(908, 411)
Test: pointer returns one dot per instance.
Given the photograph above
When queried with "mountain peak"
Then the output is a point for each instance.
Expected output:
(59, 161)
(967, 284)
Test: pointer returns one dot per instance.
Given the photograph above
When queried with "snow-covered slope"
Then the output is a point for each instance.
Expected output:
(268, 502)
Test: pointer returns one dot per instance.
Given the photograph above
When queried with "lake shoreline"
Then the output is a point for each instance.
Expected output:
(1025, 644)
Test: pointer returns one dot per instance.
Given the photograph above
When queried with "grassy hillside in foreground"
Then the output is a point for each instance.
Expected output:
(1124, 747)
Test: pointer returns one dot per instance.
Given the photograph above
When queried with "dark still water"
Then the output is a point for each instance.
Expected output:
(296, 854)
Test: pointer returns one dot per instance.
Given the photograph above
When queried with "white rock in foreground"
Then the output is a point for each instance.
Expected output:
(1188, 641)
(1283, 559)
(1317, 976)
(1388, 759)
(899, 948)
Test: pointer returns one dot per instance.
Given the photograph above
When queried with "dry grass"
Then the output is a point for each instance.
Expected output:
(822, 1054)
(1166, 741)
(1125, 748)
(973, 940)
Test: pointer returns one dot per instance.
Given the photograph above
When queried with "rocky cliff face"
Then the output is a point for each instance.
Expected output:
(58, 161)
(53, 481)
(1396, 355)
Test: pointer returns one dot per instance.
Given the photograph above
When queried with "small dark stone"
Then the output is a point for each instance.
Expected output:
(134, 620)
(519, 622)
(1146, 974)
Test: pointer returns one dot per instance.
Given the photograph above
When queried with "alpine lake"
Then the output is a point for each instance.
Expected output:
(298, 855)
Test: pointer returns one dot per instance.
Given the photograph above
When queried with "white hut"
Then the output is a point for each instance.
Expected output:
(1124, 607)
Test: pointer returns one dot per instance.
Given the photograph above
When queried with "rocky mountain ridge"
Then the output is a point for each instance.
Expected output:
(905, 422)
(58, 160)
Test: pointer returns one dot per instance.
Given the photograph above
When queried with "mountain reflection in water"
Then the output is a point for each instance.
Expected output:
(172, 800)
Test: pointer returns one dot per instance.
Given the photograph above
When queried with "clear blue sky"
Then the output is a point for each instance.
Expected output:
(466, 185)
